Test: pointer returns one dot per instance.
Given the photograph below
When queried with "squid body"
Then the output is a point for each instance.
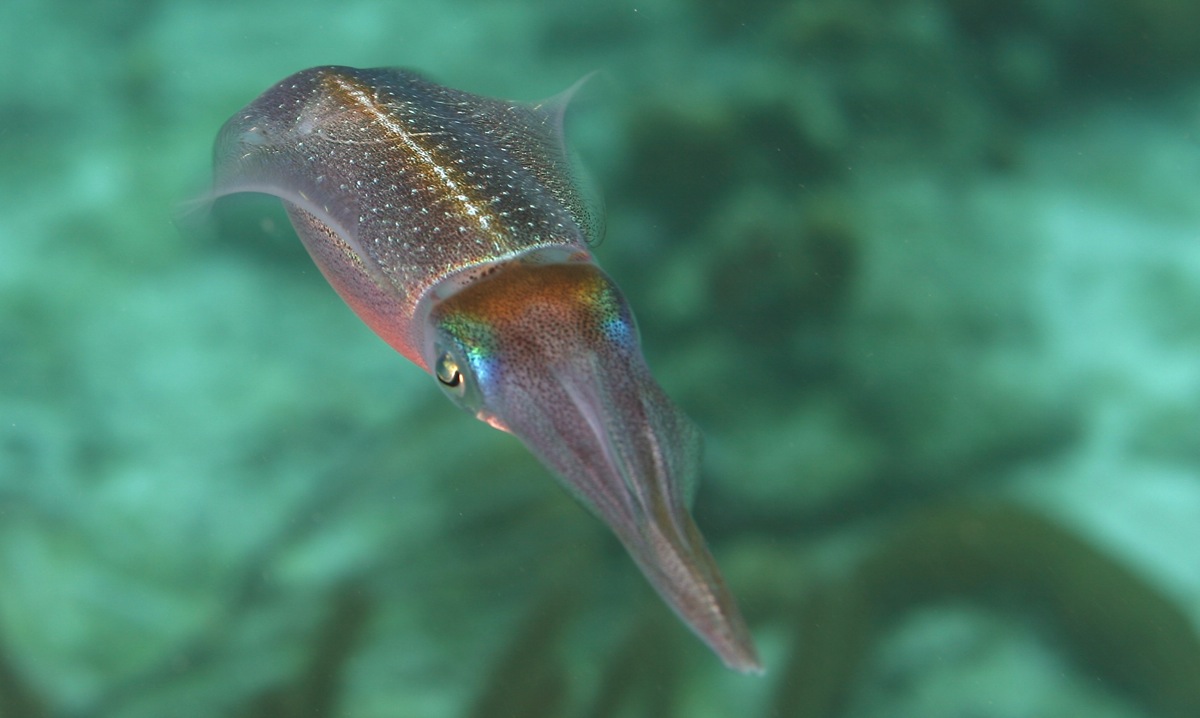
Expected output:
(451, 224)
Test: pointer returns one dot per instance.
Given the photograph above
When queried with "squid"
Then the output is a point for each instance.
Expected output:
(455, 227)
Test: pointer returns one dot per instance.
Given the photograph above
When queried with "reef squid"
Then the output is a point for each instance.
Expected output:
(455, 227)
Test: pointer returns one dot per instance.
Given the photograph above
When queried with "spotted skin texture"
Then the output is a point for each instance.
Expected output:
(395, 183)
(451, 224)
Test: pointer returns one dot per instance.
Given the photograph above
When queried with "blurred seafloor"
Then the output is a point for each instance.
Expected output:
(926, 271)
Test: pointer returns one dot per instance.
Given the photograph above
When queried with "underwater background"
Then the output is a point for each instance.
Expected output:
(927, 273)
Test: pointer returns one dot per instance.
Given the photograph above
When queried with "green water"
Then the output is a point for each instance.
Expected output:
(926, 272)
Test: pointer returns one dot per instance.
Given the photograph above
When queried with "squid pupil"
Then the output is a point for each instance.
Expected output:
(448, 373)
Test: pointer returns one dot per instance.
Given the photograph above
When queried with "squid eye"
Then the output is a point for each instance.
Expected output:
(450, 376)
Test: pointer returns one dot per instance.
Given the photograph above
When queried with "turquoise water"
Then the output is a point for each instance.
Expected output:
(926, 273)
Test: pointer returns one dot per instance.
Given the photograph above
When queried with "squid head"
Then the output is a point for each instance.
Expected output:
(549, 351)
